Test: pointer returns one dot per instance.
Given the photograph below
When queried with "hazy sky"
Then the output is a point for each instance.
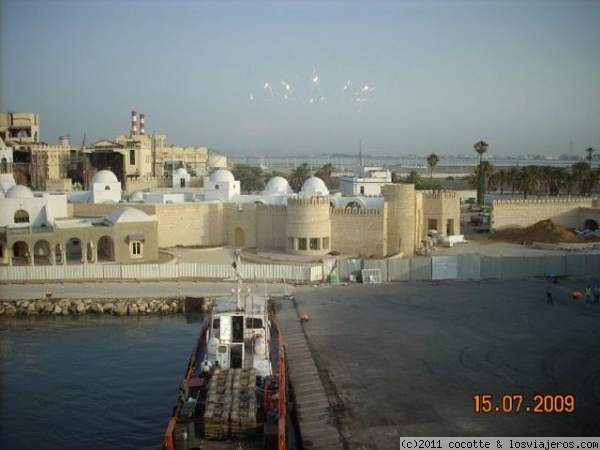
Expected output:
(290, 77)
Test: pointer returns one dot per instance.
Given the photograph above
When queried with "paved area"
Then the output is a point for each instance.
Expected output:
(407, 358)
(380, 361)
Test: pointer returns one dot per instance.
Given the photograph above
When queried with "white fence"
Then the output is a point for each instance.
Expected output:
(259, 272)
(470, 266)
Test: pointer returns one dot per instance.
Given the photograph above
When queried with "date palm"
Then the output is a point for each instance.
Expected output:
(298, 176)
(590, 154)
(432, 161)
(324, 173)
(480, 148)
(527, 180)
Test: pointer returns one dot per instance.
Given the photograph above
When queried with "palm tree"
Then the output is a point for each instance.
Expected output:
(413, 177)
(324, 173)
(298, 176)
(527, 180)
(513, 178)
(497, 180)
(480, 148)
(486, 170)
(432, 161)
(556, 180)
(590, 154)
(581, 172)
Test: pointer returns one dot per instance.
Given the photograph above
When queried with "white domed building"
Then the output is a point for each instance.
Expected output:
(45, 233)
(314, 187)
(221, 186)
(181, 178)
(105, 188)
(278, 186)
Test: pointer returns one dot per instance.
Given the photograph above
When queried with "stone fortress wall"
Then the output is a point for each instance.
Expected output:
(566, 212)
(395, 228)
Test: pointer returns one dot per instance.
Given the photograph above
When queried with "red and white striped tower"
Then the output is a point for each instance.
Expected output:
(142, 124)
(133, 123)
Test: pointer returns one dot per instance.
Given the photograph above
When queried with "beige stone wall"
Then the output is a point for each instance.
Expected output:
(444, 208)
(271, 226)
(123, 252)
(105, 209)
(401, 219)
(359, 232)
(523, 213)
(190, 224)
(241, 222)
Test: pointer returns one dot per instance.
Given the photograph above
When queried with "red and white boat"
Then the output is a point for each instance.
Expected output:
(234, 391)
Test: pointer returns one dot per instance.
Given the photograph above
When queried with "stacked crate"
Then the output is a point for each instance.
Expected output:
(243, 408)
(231, 404)
(218, 404)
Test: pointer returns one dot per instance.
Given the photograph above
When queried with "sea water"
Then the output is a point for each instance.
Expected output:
(92, 382)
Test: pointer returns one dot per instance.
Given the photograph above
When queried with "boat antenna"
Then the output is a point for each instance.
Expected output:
(238, 293)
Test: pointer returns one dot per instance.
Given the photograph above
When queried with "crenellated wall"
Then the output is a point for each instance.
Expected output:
(359, 232)
(523, 213)
(308, 226)
(441, 208)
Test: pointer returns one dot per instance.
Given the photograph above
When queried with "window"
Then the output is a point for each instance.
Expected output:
(132, 157)
(21, 216)
(362, 190)
(314, 243)
(107, 188)
(136, 248)
(254, 322)
(301, 243)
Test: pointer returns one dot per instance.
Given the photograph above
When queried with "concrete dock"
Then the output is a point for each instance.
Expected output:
(407, 359)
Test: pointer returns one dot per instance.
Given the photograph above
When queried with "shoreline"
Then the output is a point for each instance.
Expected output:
(92, 306)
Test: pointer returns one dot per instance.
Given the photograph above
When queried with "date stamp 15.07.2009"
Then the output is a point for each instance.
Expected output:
(519, 403)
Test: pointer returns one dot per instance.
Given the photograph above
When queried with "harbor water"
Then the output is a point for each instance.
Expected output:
(92, 382)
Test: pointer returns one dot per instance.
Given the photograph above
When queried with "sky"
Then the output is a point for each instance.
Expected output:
(310, 77)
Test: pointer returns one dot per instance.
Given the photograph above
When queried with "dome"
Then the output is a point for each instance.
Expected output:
(19, 191)
(128, 214)
(278, 185)
(105, 176)
(221, 176)
(181, 171)
(314, 186)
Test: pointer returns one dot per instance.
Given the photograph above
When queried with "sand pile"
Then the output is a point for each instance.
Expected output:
(542, 231)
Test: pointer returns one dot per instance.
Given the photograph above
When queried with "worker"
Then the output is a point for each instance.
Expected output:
(588, 294)
(549, 298)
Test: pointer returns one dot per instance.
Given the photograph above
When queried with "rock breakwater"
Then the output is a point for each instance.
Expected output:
(73, 307)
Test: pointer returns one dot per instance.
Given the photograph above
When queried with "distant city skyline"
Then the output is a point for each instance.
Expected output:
(291, 77)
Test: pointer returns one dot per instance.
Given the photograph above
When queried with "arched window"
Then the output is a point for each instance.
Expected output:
(216, 186)
(4, 166)
(21, 216)
(107, 188)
